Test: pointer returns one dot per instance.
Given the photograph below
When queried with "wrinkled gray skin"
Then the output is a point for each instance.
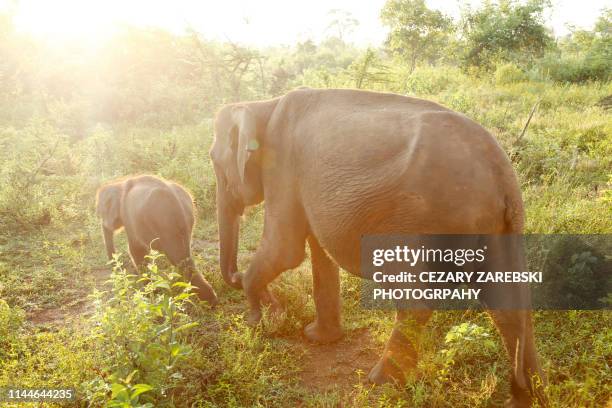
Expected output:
(155, 213)
(333, 165)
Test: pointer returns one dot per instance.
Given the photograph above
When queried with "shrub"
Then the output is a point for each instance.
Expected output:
(574, 68)
(141, 330)
(507, 30)
(508, 73)
(11, 321)
(462, 342)
(576, 273)
(431, 81)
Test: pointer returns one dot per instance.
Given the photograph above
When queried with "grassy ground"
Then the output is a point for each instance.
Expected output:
(51, 259)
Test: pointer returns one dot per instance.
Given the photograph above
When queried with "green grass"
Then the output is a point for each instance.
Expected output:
(51, 255)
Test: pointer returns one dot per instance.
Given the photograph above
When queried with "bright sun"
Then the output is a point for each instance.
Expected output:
(81, 19)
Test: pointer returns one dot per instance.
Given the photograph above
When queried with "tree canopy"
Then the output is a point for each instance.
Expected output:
(508, 30)
(417, 32)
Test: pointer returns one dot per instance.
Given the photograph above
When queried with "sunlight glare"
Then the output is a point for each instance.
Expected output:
(73, 19)
(266, 22)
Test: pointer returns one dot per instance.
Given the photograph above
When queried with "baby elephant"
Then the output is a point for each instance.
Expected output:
(156, 214)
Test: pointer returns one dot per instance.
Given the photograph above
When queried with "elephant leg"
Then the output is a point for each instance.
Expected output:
(203, 289)
(400, 354)
(326, 290)
(516, 329)
(277, 253)
(137, 253)
(510, 311)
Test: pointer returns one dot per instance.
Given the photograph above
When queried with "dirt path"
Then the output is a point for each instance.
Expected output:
(339, 365)
(57, 316)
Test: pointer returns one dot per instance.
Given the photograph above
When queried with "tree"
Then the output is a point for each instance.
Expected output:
(416, 31)
(505, 31)
(229, 65)
(600, 51)
(587, 53)
(368, 70)
(603, 26)
(342, 22)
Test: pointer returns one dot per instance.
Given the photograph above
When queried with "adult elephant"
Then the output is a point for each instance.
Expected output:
(333, 165)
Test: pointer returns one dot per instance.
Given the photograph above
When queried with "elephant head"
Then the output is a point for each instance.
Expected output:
(236, 155)
(108, 202)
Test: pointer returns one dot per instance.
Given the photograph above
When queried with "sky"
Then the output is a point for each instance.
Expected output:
(253, 22)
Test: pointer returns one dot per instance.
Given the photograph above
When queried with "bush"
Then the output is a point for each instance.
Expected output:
(572, 68)
(508, 73)
(37, 177)
(434, 80)
(141, 330)
(505, 30)
(576, 273)
(11, 321)
(463, 342)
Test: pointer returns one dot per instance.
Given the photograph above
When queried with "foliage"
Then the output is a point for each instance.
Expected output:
(37, 150)
(462, 341)
(585, 282)
(342, 22)
(141, 329)
(417, 32)
(582, 55)
(368, 70)
(11, 321)
(507, 30)
(508, 73)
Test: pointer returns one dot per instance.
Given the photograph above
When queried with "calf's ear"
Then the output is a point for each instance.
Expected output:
(107, 207)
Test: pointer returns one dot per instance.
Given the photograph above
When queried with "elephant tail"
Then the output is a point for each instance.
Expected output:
(514, 216)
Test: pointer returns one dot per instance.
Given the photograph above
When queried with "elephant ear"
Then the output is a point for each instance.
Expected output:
(109, 198)
(246, 122)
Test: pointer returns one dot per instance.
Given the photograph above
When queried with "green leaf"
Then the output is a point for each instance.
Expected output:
(176, 349)
(128, 379)
(183, 296)
(174, 275)
(490, 344)
(186, 327)
(119, 392)
(162, 284)
(140, 389)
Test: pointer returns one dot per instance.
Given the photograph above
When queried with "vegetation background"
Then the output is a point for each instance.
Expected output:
(73, 117)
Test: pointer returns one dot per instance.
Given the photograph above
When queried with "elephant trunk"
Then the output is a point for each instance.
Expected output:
(229, 225)
(108, 241)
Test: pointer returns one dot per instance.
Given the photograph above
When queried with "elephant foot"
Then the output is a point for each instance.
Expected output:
(317, 333)
(386, 372)
(513, 402)
(207, 294)
(235, 280)
(204, 290)
(274, 310)
(254, 318)
(522, 398)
